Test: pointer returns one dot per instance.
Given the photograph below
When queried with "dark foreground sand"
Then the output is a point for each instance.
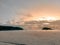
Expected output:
(30, 37)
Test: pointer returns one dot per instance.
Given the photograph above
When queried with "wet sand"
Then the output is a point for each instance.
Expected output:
(30, 37)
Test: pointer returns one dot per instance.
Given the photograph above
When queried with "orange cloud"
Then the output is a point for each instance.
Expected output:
(37, 12)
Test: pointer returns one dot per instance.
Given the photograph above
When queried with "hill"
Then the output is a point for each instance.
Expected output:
(7, 28)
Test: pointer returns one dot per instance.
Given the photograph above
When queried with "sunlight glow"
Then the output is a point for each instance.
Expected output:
(46, 18)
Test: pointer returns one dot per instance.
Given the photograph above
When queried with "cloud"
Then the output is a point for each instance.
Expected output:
(35, 12)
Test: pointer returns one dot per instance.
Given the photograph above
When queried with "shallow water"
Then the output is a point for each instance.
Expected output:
(30, 37)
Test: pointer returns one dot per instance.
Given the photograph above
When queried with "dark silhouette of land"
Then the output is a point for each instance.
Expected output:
(12, 43)
(46, 28)
(7, 28)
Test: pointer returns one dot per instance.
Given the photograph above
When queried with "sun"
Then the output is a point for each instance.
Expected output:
(46, 18)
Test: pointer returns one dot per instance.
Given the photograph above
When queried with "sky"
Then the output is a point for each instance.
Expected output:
(24, 10)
